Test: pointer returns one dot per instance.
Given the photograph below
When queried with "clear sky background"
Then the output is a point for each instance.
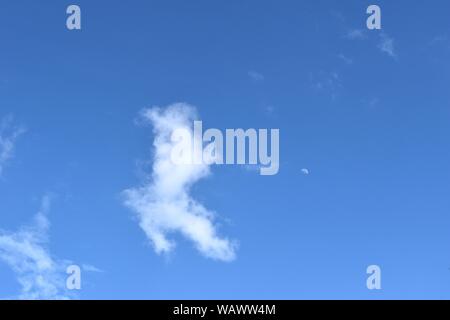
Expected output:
(367, 113)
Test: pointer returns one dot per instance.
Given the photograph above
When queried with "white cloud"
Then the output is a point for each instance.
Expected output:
(256, 76)
(26, 252)
(356, 34)
(346, 59)
(8, 137)
(305, 171)
(386, 45)
(91, 268)
(438, 40)
(164, 205)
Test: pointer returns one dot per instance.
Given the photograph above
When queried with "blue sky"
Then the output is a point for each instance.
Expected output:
(367, 113)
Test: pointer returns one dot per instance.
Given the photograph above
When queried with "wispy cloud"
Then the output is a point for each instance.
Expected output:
(440, 42)
(91, 268)
(256, 76)
(26, 252)
(8, 136)
(356, 34)
(372, 102)
(386, 45)
(439, 39)
(164, 204)
(345, 59)
(327, 82)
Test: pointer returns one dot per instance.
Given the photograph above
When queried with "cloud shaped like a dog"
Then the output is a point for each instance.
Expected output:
(165, 205)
